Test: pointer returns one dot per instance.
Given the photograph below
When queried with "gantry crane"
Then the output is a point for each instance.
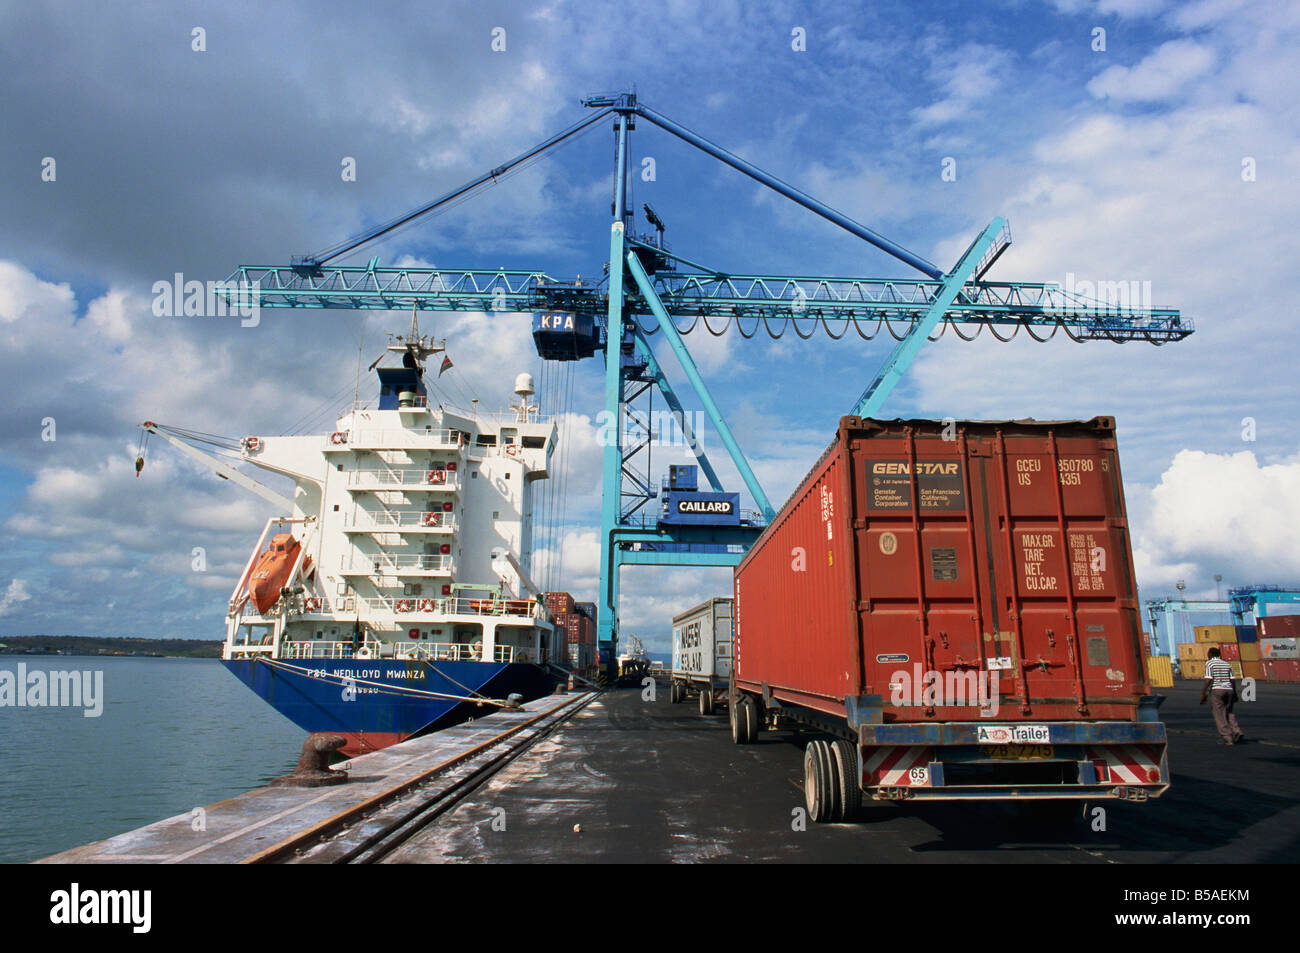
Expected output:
(647, 290)
(1242, 601)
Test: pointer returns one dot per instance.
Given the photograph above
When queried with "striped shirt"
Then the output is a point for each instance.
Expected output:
(1220, 674)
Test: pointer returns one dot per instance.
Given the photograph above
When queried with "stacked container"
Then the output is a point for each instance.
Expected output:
(1279, 647)
(577, 622)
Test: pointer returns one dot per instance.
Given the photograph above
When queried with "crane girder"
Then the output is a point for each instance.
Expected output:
(709, 295)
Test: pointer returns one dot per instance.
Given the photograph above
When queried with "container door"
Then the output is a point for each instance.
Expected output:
(1065, 556)
(722, 638)
(922, 599)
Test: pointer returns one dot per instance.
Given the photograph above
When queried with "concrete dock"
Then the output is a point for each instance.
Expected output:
(654, 782)
(244, 828)
(627, 780)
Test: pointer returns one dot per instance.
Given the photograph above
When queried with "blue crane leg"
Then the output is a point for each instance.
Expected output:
(906, 350)
(670, 395)
(697, 382)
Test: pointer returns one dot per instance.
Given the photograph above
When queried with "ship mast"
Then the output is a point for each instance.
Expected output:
(415, 348)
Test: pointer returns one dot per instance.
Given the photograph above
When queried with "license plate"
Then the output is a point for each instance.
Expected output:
(1017, 752)
(1013, 734)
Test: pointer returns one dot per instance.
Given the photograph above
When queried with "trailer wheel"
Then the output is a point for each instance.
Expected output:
(744, 720)
(736, 716)
(706, 700)
(848, 779)
(818, 785)
(675, 692)
(750, 718)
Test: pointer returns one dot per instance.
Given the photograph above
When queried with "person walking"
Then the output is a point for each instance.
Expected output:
(1221, 687)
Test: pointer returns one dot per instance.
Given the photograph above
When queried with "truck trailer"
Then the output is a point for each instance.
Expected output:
(950, 607)
(702, 654)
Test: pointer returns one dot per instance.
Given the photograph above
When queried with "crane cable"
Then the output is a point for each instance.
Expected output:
(1062, 323)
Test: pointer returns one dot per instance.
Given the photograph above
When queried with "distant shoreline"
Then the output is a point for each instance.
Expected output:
(84, 646)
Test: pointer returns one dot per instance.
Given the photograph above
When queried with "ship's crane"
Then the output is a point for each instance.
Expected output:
(221, 468)
(648, 290)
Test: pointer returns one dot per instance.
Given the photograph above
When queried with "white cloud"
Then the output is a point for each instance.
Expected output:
(15, 594)
(967, 77)
(1159, 76)
(1224, 513)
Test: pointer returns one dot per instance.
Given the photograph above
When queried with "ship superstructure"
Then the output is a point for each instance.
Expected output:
(395, 591)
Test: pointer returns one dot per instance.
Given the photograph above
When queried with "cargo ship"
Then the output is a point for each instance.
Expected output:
(392, 594)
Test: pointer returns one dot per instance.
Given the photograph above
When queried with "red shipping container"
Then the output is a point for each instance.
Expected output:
(572, 623)
(1016, 560)
(559, 603)
(1279, 627)
(1282, 670)
(1230, 651)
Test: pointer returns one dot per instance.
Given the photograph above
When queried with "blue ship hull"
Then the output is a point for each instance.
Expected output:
(313, 696)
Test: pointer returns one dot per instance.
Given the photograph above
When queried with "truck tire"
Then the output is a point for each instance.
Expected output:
(848, 778)
(706, 700)
(675, 692)
(743, 713)
(818, 784)
(750, 718)
(736, 716)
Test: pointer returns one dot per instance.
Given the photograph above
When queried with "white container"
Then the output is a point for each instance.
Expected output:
(702, 640)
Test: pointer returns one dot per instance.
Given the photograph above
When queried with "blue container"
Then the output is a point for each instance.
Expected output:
(1247, 633)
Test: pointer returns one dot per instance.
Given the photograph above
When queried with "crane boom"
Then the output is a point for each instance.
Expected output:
(524, 578)
(223, 469)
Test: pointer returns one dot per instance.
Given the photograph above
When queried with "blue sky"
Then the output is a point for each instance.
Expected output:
(1122, 164)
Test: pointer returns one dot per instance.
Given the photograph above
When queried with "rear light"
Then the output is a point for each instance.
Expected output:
(1103, 772)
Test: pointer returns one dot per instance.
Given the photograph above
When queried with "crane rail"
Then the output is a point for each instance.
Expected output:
(400, 812)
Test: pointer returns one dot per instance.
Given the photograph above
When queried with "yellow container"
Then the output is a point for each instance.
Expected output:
(1249, 652)
(1216, 633)
(1193, 650)
(1193, 668)
(1160, 671)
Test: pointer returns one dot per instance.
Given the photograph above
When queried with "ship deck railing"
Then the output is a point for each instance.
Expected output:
(413, 478)
(448, 605)
(433, 520)
(402, 651)
(388, 438)
(415, 562)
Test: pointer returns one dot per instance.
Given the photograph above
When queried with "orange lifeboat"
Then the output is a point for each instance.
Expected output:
(272, 570)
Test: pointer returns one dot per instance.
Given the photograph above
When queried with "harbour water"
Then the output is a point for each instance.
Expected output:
(174, 734)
